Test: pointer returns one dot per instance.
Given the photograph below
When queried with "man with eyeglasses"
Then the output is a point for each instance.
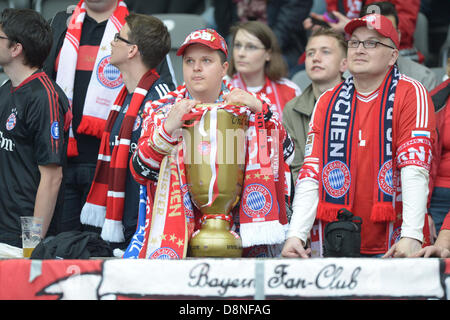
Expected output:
(113, 200)
(33, 135)
(369, 151)
(80, 63)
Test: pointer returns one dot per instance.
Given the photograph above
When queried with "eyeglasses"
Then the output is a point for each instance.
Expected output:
(117, 37)
(248, 47)
(368, 44)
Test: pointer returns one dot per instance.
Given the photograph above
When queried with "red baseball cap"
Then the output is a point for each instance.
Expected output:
(378, 22)
(208, 37)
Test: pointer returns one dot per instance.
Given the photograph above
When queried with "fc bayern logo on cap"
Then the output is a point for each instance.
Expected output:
(11, 122)
(108, 75)
(164, 253)
(336, 179)
(257, 201)
(385, 178)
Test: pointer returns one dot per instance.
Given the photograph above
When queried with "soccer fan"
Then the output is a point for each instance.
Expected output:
(325, 63)
(33, 138)
(113, 200)
(204, 54)
(405, 65)
(256, 64)
(344, 11)
(80, 63)
(369, 151)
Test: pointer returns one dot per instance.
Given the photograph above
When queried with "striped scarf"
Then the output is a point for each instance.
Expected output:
(105, 201)
(340, 143)
(105, 82)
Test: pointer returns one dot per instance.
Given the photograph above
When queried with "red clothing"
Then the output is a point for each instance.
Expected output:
(442, 159)
(407, 15)
(412, 115)
(278, 92)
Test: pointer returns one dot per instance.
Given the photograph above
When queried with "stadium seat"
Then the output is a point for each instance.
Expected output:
(22, 4)
(6, 4)
(179, 26)
(3, 77)
(48, 8)
(421, 35)
(439, 72)
(301, 79)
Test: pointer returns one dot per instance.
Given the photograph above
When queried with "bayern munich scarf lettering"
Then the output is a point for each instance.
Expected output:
(105, 202)
(339, 149)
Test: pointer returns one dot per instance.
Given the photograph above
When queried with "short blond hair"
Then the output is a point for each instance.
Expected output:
(333, 34)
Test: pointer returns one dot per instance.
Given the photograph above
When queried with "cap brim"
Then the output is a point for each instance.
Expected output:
(352, 25)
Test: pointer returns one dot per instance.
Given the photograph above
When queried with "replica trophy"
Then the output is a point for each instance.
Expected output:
(214, 151)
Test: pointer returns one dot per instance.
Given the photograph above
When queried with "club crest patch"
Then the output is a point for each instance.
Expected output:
(257, 252)
(11, 122)
(54, 130)
(395, 236)
(108, 75)
(336, 179)
(385, 178)
(187, 203)
(137, 123)
(204, 148)
(257, 201)
(164, 253)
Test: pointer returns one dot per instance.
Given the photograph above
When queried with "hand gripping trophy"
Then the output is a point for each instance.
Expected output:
(228, 160)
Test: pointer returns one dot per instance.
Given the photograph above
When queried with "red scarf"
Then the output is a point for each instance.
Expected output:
(105, 82)
(270, 89)
(107, 194)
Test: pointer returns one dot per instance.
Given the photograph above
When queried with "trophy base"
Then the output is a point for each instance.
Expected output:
(215, 239)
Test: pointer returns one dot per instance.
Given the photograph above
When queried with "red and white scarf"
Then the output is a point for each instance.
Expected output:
(170, 222)
(105, 201)
(106, 81)
(269, 89)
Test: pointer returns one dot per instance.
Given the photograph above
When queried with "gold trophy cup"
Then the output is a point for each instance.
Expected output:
(225, 175)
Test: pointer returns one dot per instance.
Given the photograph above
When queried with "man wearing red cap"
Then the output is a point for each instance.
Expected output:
(368, 151)
(163, 231)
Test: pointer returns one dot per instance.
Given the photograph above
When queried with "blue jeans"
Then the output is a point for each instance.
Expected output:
(439, 205)
(78, 180)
